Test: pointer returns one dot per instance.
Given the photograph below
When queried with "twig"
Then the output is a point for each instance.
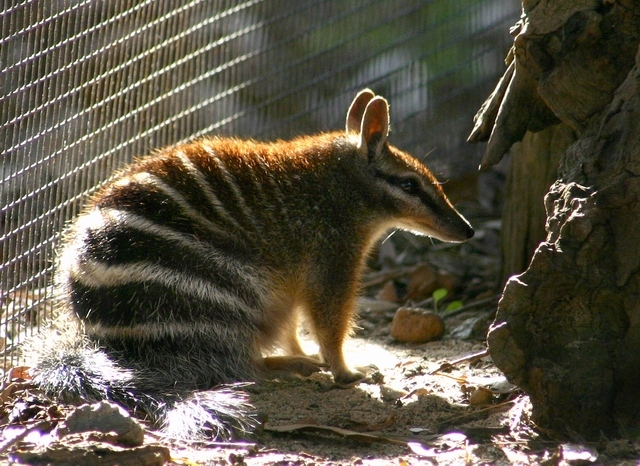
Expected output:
(466, 307)
(423, 303)
(475, 412)
(349, 434)
(468, 358)
(381, 277)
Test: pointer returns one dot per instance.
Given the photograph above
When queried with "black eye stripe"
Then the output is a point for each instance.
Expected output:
(407, 183)
(410, 185)
(425, 196)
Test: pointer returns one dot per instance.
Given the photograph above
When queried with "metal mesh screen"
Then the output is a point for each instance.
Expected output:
(86, 85)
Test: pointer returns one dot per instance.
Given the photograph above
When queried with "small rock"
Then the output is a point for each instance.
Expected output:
(473, 328)
(391, 394)
(414, 325)
(480, 396)
(93, 454)
(103, 417)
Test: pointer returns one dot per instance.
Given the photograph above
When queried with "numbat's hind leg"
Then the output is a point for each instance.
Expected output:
(301, 365)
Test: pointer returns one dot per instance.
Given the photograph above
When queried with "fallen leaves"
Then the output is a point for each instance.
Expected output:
(447, 446)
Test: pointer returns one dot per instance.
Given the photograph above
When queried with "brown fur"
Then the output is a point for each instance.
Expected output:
(198, 261)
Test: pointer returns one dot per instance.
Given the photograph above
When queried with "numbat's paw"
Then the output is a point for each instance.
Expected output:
(301, 365)
(349, 379)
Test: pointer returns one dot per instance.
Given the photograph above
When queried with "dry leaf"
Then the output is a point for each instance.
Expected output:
(362, 427)
(497, 385)
(391, 394)
(350, 434)
(422, 391)
(388, 292)
(19, 373)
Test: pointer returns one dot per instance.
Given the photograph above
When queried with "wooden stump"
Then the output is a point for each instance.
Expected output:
(568, 329)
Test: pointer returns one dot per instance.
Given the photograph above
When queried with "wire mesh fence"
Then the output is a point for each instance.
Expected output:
(87, 85)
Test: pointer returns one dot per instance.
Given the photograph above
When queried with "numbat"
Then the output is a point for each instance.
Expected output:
(199, 260)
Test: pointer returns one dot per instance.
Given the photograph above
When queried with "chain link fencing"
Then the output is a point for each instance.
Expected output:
(86, 85)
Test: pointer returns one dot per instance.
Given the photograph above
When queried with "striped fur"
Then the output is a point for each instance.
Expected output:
(197, 261)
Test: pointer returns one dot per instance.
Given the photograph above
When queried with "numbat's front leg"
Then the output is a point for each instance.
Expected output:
(332, 323)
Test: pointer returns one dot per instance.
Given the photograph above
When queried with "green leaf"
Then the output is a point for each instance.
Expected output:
(439, 294)
(453, 305)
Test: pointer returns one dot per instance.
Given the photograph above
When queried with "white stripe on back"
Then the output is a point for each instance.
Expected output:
(178, 198)
(206, 189)
(108, 218)
(98, 275)
(232, 184)
(172, 329)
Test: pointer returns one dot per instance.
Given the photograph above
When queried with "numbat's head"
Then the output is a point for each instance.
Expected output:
(413, 197)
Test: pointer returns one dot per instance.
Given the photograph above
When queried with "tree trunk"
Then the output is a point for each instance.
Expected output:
(533, 167)
(568, 329)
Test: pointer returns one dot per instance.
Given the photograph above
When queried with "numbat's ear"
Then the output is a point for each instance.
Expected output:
(356, 109)
(375, 126)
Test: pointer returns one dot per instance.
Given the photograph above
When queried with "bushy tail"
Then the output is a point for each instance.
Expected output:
(70, 368)
(221, 413)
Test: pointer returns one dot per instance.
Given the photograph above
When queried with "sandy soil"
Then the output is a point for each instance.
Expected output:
(414, 409)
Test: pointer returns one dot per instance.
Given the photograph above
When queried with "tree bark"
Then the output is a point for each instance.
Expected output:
(568, 329)
(533, 167)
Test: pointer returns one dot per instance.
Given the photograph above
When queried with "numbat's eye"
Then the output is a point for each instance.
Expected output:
(409, 185)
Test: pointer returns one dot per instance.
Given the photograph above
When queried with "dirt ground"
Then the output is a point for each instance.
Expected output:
(421, 404)
(409, 405)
